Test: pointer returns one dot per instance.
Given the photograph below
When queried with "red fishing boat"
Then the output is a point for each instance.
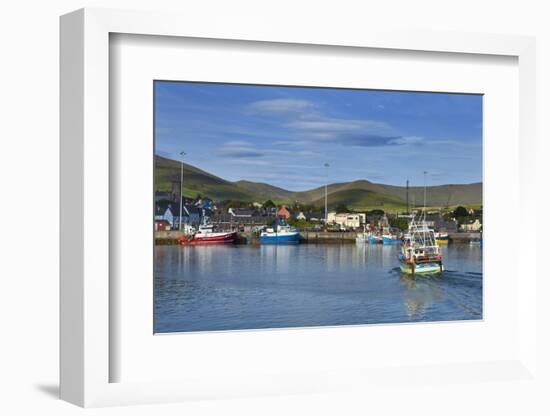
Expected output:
(207, 235)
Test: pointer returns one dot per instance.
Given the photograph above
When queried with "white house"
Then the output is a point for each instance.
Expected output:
(348, 220)
(471, 225)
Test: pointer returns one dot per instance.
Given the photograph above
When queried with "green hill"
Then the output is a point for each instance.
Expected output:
(361, 199)
(360, 194)
(196, 181)
(258, 188)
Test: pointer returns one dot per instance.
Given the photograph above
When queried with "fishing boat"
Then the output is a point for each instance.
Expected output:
(441, 237)
(388, 239)
(375, 239)
(206, 234)
(362, 238)
(280, 233)
(390, 236)
(419, 252)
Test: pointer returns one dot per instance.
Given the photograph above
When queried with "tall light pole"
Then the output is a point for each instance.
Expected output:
(326, 196)
(182, 154)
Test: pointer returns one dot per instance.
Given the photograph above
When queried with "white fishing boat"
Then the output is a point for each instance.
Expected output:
(362, 238)
(420, 252)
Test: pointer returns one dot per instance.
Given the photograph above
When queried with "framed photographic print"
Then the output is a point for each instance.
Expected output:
(297, 207)
(275, 212)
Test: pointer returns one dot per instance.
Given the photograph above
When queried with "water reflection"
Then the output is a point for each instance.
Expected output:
(240, 287)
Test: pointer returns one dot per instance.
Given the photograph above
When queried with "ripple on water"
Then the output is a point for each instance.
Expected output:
(247, 287)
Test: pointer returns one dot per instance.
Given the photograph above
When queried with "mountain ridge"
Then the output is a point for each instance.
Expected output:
(358, 194)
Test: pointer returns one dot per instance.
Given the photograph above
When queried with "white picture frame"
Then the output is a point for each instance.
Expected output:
(86, 264)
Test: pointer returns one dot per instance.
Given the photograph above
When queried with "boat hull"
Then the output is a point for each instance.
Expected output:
(422, 268)
(217, 238)
(374, 240)
(290, 238)
(390, 240)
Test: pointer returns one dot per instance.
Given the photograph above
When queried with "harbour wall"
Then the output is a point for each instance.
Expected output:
(464, 237)
(327, 237)
(314, 237)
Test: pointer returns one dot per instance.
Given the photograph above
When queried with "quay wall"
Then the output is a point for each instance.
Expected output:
(464, 237)
(327, 237)
(171, 237)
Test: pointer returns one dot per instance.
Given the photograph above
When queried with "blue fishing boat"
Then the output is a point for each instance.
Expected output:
(390, 236)
(390, 239)
(280, 233)
(374, 239)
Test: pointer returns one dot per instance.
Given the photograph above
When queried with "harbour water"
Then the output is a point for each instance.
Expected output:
(233, 287)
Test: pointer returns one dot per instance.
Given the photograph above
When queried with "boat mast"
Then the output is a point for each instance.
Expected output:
(182, 154)
(407, 197)
(424, 209)
(425, 193)
(326, 196)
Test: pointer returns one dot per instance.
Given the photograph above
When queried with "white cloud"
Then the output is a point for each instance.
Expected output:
(337, 125)
(403, 140)
(281, 106)
(237, 143)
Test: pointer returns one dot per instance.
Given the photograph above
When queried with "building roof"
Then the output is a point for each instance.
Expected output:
(244, 212)
(187, 210)
(191, 209)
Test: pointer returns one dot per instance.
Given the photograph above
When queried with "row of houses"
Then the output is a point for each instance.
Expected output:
(167, 216)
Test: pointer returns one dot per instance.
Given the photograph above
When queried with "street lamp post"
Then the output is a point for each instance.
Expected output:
(182, 154)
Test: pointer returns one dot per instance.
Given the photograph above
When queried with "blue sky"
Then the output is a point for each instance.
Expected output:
(284, 135)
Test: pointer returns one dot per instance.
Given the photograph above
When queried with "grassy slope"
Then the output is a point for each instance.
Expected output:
(360, 194)
(196, 181)
(268, 191)
(361, 199)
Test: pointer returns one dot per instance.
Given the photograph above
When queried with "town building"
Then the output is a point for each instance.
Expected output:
(162, 225)
(284, 213)
(347, 220)
(243, 212)
(190, 215)
(310, 216)
(471, 226)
